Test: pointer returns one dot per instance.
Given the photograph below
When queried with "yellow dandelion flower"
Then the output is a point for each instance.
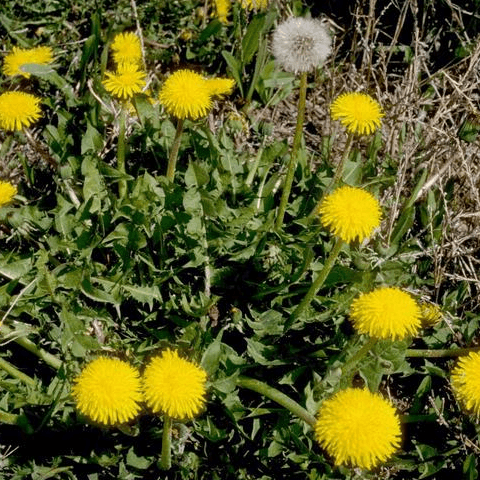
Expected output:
(350, 213)
(431, 314)
(220, 86)
(18, 110)
(387, 313)
(186, 94)
(358, 112)
(14, 61)
(222, 8)
(108, 391)
(7, 192)
(126, 48)
(465, 381)
(254, 4)
(174, 386)
(125, 82)
(358, 428)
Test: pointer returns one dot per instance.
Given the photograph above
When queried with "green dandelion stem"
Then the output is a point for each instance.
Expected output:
(172, 159)
(47, 357)
(166, 458)
(19, 420)
(349, 366)
(16, 373)
(339, 171)
(337, 175)
(318, 282)
(121, 148)
(443, 353)
(278, 397)
(9, 418)
(292, 163)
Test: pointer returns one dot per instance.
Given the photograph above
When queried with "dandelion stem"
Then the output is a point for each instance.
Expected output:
(166, 459)
(349, 365)
(292, 163)
(15, 372)
(277, 396)
(339, 171)
(337, 175)
(318, 282)
(121, 147)
(48, 358)
(172, 159)
(9, 418)
(451, 352)
(19, 420)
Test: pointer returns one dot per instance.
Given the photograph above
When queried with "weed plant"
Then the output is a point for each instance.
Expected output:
(172, 307)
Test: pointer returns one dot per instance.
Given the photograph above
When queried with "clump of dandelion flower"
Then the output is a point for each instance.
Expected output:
(358, 428)
(222, 9)
(220, 86)
(386, 313)
(431, 314)
(108, 391)
(358, 112)
(125, 82)
(186, 94)
(18, 110)
(174, 386)
(350, 213)
(18, 57)
(254, 4)
(7, 192)
(301, 44)
(126, 48)
(465, 380)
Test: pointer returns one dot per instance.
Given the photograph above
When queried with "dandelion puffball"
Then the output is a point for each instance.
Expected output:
(301, 44)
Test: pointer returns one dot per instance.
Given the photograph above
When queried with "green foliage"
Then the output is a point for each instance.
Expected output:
(195, 264)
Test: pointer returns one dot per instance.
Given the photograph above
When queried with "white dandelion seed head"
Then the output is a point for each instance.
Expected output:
(301, 44)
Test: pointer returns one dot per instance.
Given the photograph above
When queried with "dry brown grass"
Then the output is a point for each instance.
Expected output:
(428, 105)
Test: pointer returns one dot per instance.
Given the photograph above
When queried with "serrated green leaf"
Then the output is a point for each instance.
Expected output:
(134, 460)
(234, 68)
(251, 38)
(211, 357)
(92, 140)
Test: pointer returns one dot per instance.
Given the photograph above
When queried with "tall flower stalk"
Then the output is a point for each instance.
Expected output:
(278, 397)
(166, 455)
(176, 388)
(292, 163)
(172, 158)
(351, 214)
(319, 281)
(121, 147)
(360, 114)
(188, 95)
(299, 45)
(124, 83)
